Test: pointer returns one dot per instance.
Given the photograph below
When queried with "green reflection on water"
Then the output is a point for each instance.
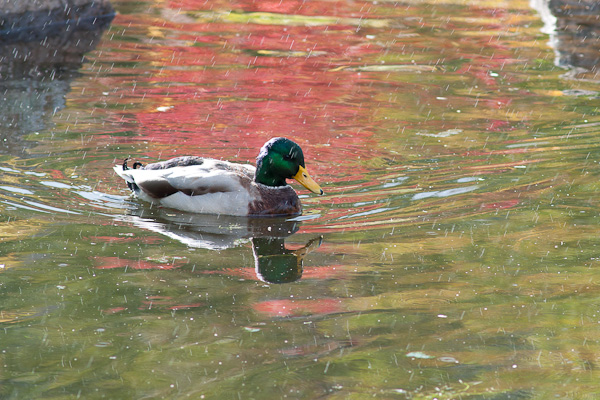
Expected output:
(459, 231)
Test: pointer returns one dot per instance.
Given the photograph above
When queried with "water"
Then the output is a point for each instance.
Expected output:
(454, 254)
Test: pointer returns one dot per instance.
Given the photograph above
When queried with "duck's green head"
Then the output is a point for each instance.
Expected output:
(280, 159)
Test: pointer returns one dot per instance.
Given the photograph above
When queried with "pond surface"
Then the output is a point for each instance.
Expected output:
(455, 254)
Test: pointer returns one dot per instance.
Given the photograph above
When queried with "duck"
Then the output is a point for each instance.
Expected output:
(208, 186)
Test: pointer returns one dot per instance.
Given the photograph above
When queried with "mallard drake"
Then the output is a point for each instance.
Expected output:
(209, 186)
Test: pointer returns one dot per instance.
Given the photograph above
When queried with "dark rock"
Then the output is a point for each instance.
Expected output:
(40, 35)
(42, 46)
(577, 32)
(32, 20)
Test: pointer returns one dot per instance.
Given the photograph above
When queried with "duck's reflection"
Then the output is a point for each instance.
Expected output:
(274, 263)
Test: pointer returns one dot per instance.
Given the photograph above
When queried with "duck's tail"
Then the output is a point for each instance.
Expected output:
(121, 171)
(135, 165)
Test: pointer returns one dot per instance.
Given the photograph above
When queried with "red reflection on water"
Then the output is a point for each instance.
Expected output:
(121, 239)
(116, 262)
(254, 82)
(286, 308)
(499, 126)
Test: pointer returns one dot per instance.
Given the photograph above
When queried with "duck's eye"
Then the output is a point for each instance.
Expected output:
(287, 157)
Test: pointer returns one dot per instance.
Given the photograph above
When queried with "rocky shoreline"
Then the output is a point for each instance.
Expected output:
(38, 35)
(25, 21)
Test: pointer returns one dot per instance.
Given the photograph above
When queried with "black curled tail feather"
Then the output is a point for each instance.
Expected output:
(136, 164)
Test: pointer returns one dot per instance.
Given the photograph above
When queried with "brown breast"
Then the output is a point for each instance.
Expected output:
(275, 201)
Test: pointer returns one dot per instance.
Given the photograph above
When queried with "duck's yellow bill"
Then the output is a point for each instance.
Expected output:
(305, 180)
